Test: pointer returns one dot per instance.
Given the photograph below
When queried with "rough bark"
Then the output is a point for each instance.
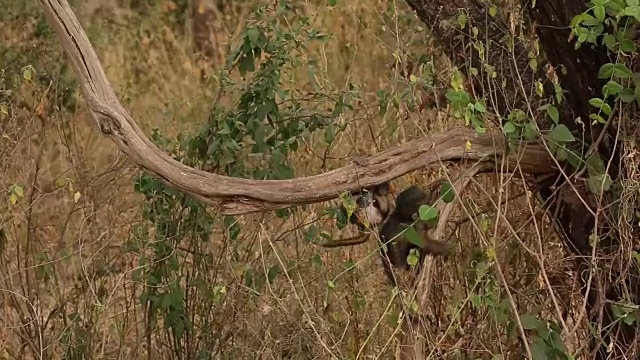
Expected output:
(579, 67)
(508, 58)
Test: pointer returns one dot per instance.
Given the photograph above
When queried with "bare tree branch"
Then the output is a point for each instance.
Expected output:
(239, 196)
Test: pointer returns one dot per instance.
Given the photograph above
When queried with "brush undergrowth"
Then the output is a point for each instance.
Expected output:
(100, 260)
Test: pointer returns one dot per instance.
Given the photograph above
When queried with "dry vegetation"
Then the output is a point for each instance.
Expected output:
(75, 243)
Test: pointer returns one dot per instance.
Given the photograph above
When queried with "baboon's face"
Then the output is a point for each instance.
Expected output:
(368, 212)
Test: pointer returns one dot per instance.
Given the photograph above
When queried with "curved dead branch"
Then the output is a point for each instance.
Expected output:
(240, 196)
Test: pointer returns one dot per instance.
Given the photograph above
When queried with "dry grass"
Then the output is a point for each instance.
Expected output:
(67, 266)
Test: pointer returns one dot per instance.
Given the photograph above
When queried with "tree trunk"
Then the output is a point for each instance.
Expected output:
(204, 16)
(513, 88)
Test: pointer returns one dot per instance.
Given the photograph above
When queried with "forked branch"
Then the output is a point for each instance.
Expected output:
(240, 196)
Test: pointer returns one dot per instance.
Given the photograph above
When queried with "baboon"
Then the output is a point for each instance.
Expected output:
(404, 215)
(373, 209)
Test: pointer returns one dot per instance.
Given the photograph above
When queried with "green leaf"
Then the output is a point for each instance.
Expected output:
(447, 192)
(561, 154)
(427, 212)
(273, 273)
(312, 231)
(18, 190)
(252, 35)
(462, 20)
(246, 64)
(628, 46)
(561, 134)
(413, 258)
(413, 237)
(589, 20)
(599, 183)
(359, 302)
(530, 131)
(529, 322)
(573, 159)
(28, 72)
(556, 342)
(539, 350)
(582, 38)
(331, 284)
(595, 165)
(333, 2)
(480, 107)
(627, 95)
(349, 265)
(621, 71)
(456, 80)
(393, 317)
(248, 279)
(597, 118)
(539, 88)
(282, 213)
(599, 12)
(316, 260)
(611, 88)
(4, 110)
(166, 301)
(606, 71)
(458, 98)
(558, 89)
(595, 102)
(632, 10)
(508, 127)
(552, 111)
(475, 300)
(608, 40)
(330, 134)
